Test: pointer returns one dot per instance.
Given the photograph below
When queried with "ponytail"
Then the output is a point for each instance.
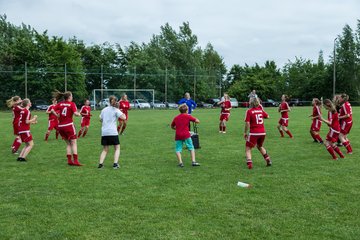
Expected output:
(11, 102)
(61, 95)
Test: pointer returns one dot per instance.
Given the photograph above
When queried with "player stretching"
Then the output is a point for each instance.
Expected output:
(254, 132)
(124, 107)
(225, 113)
(53, 120)
(316, 123)
(345, 118)
(85, 119)
(14, 103)
(67, 109)
(333, 135)
(284, 109)
(24, 129)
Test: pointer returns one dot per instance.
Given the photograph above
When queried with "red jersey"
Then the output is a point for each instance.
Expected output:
(24, 115)
(124, 106)
(85, 111)
(52, 116)
(255, 116)
(316, 111)
(225, 105)
(16, 114)
(334, 121)
(344, 110)
(284, 106)
(181, 124)
(66, 110)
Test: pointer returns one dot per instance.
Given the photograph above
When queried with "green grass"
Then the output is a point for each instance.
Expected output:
(305, 195)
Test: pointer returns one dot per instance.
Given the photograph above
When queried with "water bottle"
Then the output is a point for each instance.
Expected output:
(244, 185)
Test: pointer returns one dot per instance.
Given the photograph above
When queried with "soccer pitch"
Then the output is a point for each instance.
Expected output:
(304, 195)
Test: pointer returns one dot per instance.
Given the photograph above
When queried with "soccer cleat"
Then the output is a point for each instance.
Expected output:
(268, 163)
(195, 164)
(335, 159)
(21, 159)
(70, 163)
(315, 141)
(181, 165)
(116, 166)
(349, 152)
(249, 165)
(101, 165)
(321, 142)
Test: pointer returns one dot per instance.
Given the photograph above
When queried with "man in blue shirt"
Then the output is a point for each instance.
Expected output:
(189, 102)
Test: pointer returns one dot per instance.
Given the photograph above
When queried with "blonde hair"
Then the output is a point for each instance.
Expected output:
(25, 102)
(329, 105)
(59, 95)
(113, 100)
(317, 101)
(11, 102)
(254, 102)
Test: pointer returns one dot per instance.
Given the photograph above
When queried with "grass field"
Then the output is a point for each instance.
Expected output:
(304, 195)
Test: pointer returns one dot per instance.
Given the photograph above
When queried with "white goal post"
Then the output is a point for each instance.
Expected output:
(133, 94)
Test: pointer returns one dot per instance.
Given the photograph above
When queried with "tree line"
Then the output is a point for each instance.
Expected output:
(172, 61)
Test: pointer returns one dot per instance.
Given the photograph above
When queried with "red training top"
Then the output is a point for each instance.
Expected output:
(255, 116)
(24, 115)
(16, 114)
(344, 110)
(181, 123)
(334, 121)
(52, 116)
(284, 106)
(66, 110)
(124, 106)
(85, 111)
(225, 105)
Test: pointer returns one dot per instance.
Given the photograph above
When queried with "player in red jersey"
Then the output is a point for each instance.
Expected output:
(182, 135)
(334, 125)
(85, 119)
(225, 113)
(316, 123)
(14, 104)
(346, 122)
(67, 109)
(124, 107)
(254, 132)
(53, 121)
(284, 109)
(24, 129)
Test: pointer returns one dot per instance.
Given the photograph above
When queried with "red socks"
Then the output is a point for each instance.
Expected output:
(348, 146)
(85, 132)
(249, 164)
(76, 161)
(281, 133)
(318, 138)
(289, 133)
(46, 136)
(123, 128)
(337, 150)
(70, 162)
(16, 144)
(80, 132)
(331, 151)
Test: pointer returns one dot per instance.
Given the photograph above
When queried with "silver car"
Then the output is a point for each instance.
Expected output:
(234, 102)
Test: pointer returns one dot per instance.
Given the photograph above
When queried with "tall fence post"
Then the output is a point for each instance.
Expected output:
(134, 85)
(26, 81)
(194, 97)
(102, 81)
(166, 80)
(220, 80)
(65, 76)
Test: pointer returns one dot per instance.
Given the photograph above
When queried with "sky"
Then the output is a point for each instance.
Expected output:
(241, 31)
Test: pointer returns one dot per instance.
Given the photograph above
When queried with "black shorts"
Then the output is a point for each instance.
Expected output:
(110, 140)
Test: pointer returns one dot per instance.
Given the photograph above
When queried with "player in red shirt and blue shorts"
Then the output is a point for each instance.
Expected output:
(254, 132)
(284, 109)
(124, 107)
(67, 109)
(225, 113)
(24, 129)
(316, 123)
(14, 104)
(53, 120)
(334, 131)
(346, 122)
(85, 112)
(182, 135)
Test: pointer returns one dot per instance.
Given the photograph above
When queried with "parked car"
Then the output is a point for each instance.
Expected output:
(202, 104)
(104, 103)
(40, 105)
(172, 105)
(214, 102)
(92, 104)
(234, 102)
(244, 104)
(157, 104)
(295, 102)
(270, 103)
(141, 103)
